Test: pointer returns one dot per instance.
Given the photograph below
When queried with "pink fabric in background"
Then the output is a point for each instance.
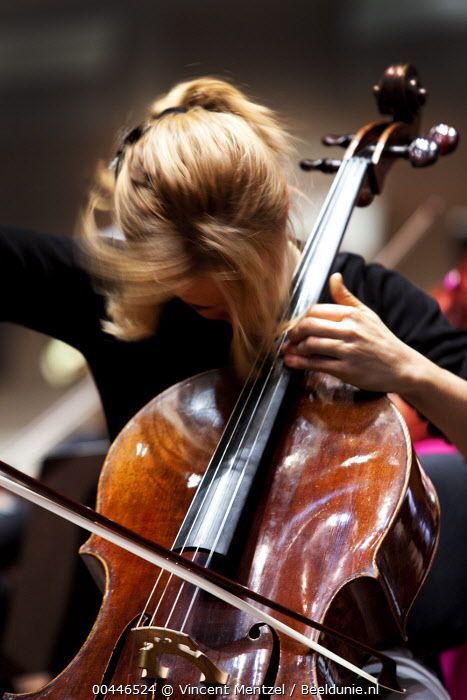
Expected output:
(433, 446)
(454, 668)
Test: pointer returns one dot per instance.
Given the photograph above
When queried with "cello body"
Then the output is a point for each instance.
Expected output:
(317, 536)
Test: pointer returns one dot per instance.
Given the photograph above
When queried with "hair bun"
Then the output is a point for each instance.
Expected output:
(212, 94)
(216, 95)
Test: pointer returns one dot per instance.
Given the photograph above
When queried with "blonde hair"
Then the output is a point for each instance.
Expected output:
(203, 192)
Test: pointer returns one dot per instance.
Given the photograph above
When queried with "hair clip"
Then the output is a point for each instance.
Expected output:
(172, 110)
(131, 137)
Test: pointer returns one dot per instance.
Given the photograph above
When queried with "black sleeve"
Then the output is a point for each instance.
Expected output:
(407, 311)
(44, 287)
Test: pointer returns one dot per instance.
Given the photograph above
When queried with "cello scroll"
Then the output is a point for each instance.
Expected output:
(400, 95)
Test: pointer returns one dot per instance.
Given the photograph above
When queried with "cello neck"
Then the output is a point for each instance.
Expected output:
(325, 239)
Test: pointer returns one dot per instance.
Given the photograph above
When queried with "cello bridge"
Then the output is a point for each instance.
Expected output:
(155, 641)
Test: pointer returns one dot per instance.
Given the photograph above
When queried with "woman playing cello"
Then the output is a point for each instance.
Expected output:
(199, 272)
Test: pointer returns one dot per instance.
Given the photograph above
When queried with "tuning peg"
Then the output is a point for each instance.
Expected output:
(446, 137)
(422, 152)
(324, 165)
(337, 140)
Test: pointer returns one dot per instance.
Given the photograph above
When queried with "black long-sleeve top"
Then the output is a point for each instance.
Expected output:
(44, 286)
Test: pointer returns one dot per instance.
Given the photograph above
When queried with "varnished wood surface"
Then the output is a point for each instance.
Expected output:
(336, 509)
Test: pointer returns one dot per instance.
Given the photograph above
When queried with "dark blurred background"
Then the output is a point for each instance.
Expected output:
(73, 72)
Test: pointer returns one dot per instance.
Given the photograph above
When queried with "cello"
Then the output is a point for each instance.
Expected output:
(256, 484)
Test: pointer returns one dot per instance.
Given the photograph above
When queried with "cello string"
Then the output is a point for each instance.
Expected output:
(248, 385)
(316, 236)
(219, 533)
(297, 279)
(148, 602)
(206, 495)
(301, 269)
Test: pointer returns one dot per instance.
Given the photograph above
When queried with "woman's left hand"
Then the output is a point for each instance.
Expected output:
(349, 341)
